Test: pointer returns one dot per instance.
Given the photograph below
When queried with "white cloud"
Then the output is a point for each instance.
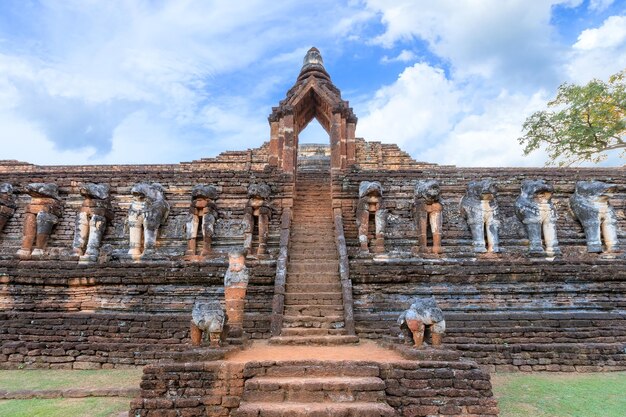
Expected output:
(511, 41)
(439, 120)
(489, 137)
(598, 52)
(417, 109)
(505, 63)
(612, 33)
(600, 5)
(404, 56)
(95, 71)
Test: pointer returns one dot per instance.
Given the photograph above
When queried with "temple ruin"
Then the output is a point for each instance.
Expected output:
(534, 283)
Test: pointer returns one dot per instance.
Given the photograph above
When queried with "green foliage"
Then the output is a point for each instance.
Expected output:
(561, 395)
(63, 407)
(585, 123)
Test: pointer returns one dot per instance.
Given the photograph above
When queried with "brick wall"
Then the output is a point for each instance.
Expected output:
(586, 293)
(58, 313)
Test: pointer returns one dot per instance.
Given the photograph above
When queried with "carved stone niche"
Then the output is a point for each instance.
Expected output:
(257, 212)
(428, 211)
(480, 209)
(535, 210)
(202, 215)
(41, 215)
(91, 221)
(207, 323)
(7, 204)
(147, 213)
(590, 204)
(422, 314)
(370, 208)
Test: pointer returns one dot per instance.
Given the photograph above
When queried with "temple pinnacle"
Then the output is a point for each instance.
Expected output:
(313, 64)
(313, 57)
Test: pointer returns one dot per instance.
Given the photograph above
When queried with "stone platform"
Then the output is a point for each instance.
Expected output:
(350, 380)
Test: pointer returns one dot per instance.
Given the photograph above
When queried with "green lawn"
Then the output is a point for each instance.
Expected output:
(61, 379)
(519, 394)
(561, 395)
(64, 407)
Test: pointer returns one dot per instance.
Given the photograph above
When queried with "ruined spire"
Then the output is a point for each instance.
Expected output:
(313, 62)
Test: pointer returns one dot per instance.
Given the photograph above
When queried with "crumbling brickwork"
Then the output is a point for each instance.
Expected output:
(489, 290)
(56, 305)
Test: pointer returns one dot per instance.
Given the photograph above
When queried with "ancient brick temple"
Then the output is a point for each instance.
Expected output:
(340, 239)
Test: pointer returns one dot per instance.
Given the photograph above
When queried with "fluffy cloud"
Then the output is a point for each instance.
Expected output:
(611, 34)
(599, 52)
(83, 75)
(404, 56)
(418, 109)
(511, 41)
(438, 120)
(600, 5)
(505, 63)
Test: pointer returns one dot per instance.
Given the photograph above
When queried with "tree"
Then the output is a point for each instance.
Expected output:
(587, 121)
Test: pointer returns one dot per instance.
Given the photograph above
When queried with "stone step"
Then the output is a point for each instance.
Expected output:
(314, 233)
(329, 252)
(312, 267)
(314, 340)
(312, 310)
(304, 222)
(313, 288)
(311, 331)
(321, 223)
(325, 322)
(340, 389)
(320, 298)
(320, 368)
(322, 238)
(318, 278)
(317, 243)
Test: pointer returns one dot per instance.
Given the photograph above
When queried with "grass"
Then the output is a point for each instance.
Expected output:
(561, 395)
(61, 379)
(519, 394)
(63, 407)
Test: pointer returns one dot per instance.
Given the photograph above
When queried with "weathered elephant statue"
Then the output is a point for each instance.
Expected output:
(257, 210)
(202, 215)
(7, 204)
(369, 208)
(480, 209)
(41, 215)
(423, 312)
(590, 204)
(207, 319)
(91, 221)
(428, 211)
(535, 210)
(148, 211)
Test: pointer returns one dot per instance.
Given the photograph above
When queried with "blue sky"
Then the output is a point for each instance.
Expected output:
(120, 81)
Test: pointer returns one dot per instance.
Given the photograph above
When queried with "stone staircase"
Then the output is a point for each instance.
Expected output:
(315, 388)
(313, 312)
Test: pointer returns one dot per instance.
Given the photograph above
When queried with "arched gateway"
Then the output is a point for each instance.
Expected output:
(313, 96)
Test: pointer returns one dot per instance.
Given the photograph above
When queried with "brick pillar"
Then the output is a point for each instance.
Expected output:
(290, 145)
(343, 144)
(274, 151)
(350, 143)
(335, 141)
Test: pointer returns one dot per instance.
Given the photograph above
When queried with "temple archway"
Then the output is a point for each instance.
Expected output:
(312, 96)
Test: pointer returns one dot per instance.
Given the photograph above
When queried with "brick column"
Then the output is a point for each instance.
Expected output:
(350, 142)
(290, 146)
(335, 141)
(274, 150)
